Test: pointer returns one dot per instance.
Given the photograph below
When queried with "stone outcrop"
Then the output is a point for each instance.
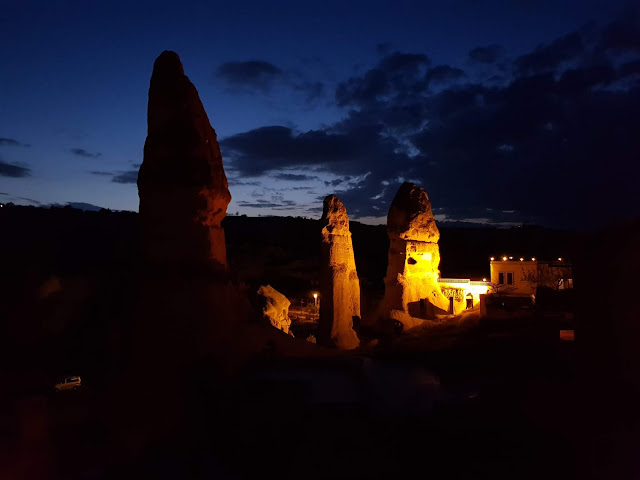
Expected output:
(275, 308)
(411, 283)
(181, 183)
(339, 284)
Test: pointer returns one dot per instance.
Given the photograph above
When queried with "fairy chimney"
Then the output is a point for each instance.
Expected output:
(181, 183)
(411, 283)
(339, 284)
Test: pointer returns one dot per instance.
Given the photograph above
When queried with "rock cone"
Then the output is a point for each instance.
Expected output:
(275, 308)
(411, 283)
(181, 183)
(339, 284)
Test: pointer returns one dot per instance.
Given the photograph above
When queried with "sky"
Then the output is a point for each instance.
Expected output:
(505, 112)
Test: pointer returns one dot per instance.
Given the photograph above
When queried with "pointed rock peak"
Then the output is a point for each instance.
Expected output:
(410, 215)
(168, 64)
(182, 185)
(334, 216)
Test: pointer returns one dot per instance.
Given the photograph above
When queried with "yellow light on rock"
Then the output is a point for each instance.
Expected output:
(504, 259)
(533, 259)
(559, 259)
(484, 279)
(521, 259)
(492, 259)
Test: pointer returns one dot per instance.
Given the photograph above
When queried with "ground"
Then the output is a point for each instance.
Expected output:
(483, 397)
(498, 397)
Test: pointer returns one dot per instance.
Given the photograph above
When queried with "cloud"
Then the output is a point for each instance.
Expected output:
(277, 202)
(81, 152)
(623, 33)
(575, 81)
(334, 183)
(313, 91)
(444, 74)
(12, 142)
(554, 141)
(120, 176)
(275, 147)
(396, 74)
(488, 54)
(629, 68)
(253, 74)
(14, 171)
(538, 138)
(258, 76)
(240, 183)
(15, 198)
(549, 57)
(292, 177)
(129, 176)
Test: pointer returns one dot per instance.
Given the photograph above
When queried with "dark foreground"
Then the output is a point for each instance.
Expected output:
(496, 398)
(501, 400)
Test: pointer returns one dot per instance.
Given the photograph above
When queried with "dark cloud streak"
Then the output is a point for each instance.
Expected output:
(549, 57)
(292, 177)
(81, 152)
(258, 76)
(13, 171)
(130, 176)
(122, 176)
(253, 74)
(12, 142)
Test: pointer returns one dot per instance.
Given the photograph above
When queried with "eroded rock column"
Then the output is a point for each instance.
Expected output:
(181, 183)
(411, 283)
(339, 284)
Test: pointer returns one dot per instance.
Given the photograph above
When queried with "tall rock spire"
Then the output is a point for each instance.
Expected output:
(339, 284)
(181, 183)
(411, 283)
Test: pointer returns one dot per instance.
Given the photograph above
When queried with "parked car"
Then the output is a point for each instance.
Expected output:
(69, 383)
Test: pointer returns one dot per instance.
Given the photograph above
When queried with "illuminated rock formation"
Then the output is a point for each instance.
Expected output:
(181, 183)
(411, 283)
(339, 284)
(275, 308)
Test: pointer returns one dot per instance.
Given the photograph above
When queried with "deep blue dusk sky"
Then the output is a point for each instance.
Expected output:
(505, 112)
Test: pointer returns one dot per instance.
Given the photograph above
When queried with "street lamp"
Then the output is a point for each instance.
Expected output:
(315, 299)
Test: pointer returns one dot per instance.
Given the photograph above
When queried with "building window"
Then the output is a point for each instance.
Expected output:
(501, 278)
(510, 278)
